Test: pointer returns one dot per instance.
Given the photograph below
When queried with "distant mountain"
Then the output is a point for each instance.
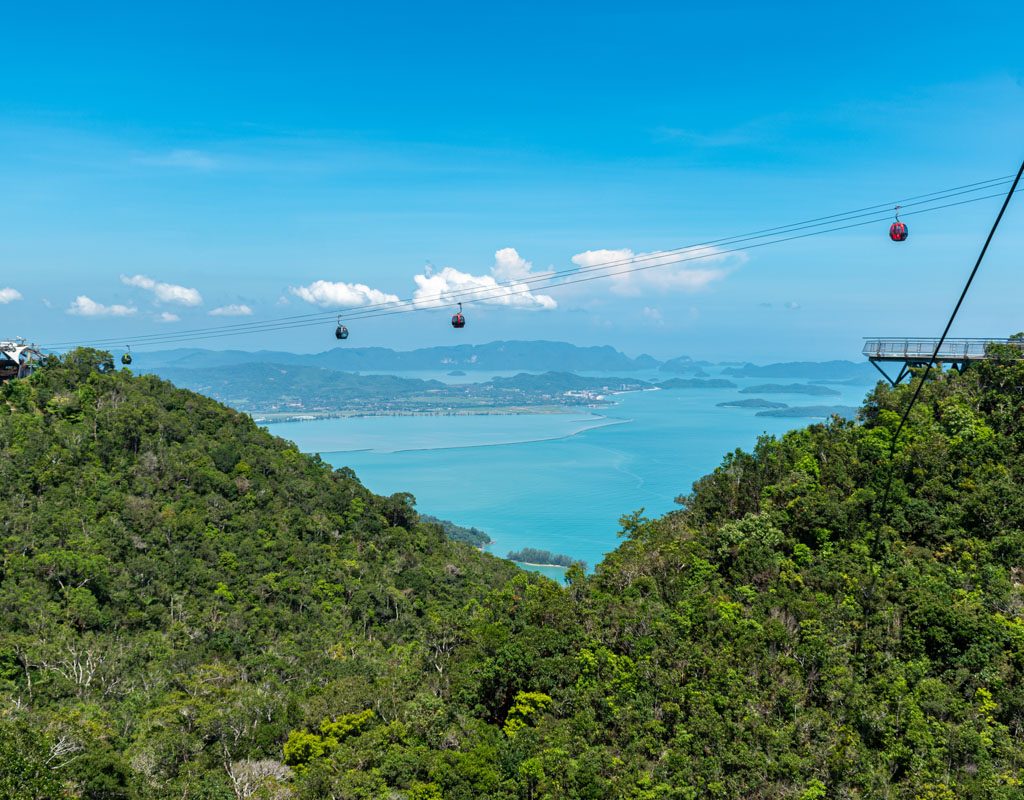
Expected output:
(536, 355)
(820, 370)
(791, 388)
(697, 383)
(684, 365)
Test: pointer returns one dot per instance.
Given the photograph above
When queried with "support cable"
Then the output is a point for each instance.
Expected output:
(941, 341)
(554, 280)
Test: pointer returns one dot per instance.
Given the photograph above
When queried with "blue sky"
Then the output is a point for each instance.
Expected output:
(159, 166)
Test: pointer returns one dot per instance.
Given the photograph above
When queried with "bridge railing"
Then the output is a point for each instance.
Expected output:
(916, 348)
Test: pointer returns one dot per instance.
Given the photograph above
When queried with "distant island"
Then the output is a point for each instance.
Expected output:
(754, 402)
(865, 380)
(819, 370)
(696, 383)
(276, 386)
(283, 392)
(810, 412)
(543, 558)
(684, 365)
(791, 388)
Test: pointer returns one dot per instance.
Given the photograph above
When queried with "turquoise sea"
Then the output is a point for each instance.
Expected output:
(558, 482)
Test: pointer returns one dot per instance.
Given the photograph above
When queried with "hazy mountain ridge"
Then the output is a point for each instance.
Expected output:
(536, 356)
(495, 356)
(819, 370)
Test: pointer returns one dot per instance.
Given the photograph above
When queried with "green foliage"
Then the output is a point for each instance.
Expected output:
(186, 602)
(526, 707)
(459, 533)
(179, 590)
(532, 555)
(26, 765)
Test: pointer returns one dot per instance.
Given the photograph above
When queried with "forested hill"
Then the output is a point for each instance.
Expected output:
(179, 590)
(193, 609)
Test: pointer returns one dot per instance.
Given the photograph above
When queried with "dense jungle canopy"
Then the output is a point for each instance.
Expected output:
(191, 608)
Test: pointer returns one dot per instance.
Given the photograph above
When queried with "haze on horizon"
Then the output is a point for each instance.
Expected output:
(180, 168)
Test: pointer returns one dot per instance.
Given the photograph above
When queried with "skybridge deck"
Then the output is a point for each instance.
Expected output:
(912, 352)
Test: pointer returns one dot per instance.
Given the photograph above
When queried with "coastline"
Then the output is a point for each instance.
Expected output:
(260, 418)
(604, 422)
(532, 564)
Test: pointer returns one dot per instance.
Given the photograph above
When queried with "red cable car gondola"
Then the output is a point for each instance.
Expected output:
(898, 231)
(459, 320)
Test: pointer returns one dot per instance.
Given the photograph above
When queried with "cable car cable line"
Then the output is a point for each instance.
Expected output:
(410, 306)
(553, 280)
(413, 305)
(545, 278)
(938, 345)
(358, 311)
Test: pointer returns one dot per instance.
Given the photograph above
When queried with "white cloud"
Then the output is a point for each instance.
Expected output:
(9, 295)
(653, 314)
(87, 307)
(510, 266)
(327, 294)
(165, 292)
(167, 316)
(669, 272)
(182, 158)
(505, 286)
(233, 310)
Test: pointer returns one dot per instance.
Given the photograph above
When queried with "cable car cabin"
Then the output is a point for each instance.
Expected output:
(126, 359)
(341, 332)
(899, 231)
(458, 320)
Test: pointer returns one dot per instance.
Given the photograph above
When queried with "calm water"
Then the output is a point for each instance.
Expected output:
(557, 482)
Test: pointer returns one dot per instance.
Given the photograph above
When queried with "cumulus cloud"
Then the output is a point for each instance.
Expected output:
(233, 310)
(510, 266)
(84, 306)
(9, 295)
(666, 272)
(653, 314)
(167, 316)
(165, 292)
(504, 286)
(327, 294)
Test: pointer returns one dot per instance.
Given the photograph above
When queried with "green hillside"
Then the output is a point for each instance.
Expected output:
(191, 608)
